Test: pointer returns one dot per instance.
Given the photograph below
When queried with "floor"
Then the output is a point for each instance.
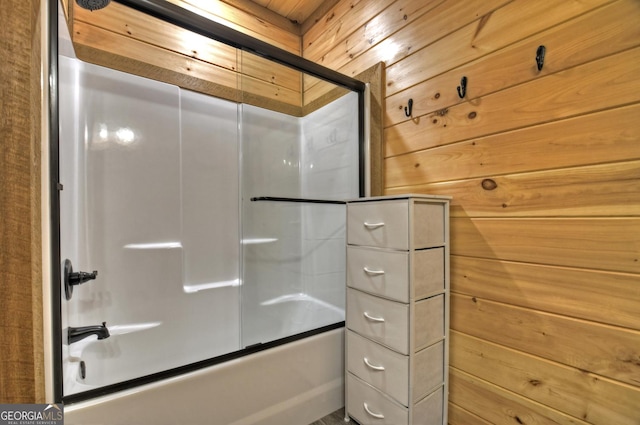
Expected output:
(336, 418)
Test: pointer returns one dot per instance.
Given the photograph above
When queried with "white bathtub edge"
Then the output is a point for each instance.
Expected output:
(292, 384)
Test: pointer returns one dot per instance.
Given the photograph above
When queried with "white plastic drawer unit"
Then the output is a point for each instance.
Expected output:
(385, 224)
(397, 315)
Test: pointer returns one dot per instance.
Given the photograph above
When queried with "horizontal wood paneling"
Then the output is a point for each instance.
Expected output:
(499, 406)
(245, 22)
(600, 190)
(494, 31)
(258, 12)
(130, 23)
(573, 292)
(546, 254)
(596, 138)
(595, 34)
(433, 25)
(605, 350)
(605, 83)
(340, 21)
(100, 46)
(460, 416)
(119, 35)
(544, 170)
(98, 39)
(361, 33)
(581, 394)
(594, 243)
(345, 45)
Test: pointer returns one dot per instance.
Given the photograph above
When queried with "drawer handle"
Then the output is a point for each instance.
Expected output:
(375, 415)
(372, 366)
(373, 318)
(373, 225)
(376, 272)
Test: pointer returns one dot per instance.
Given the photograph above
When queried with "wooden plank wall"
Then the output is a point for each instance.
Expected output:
(125, 39)
(21, 321)
(544, 170)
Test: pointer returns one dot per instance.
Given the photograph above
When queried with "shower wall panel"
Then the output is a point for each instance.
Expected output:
(130, 209)
(329, 170)
(154, 178)
(294, 262)
(271, 231)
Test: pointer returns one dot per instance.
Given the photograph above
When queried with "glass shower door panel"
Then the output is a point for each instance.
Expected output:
(293, 248)
(127, 167)
(210, 225)
(128, 175)
(271, 232)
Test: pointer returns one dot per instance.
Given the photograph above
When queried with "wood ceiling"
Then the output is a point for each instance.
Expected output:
(294, 10)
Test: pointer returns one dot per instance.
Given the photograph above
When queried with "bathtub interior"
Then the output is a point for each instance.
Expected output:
(158, 183)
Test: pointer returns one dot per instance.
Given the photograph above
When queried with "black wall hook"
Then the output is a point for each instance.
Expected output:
(462, 88)
(540, 57)
(408, 112)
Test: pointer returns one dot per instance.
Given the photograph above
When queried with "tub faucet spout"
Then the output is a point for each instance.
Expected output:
(76, 334)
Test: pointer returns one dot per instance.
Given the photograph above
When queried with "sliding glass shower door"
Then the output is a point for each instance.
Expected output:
(194, 227)
(300, 161)
(150, 202)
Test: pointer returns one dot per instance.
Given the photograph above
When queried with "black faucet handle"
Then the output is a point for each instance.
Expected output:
(105, 331)
(76, 278)
(71, 278)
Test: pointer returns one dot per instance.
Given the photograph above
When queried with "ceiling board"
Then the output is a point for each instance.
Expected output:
(294, 10)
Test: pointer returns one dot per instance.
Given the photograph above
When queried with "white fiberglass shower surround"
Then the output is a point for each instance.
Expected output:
(216, 230)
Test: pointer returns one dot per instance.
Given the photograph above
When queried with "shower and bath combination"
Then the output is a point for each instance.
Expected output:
(200, 214)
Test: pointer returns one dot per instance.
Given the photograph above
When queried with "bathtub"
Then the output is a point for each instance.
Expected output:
(291, 384)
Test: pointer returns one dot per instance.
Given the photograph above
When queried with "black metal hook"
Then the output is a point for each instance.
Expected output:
(540, 57)
(408, 112)
(462, 88)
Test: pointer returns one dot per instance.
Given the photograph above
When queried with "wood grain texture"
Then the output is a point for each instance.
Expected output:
(544, 170)
(433, 25)
(572, 292)
(604, 350)
(606, 83)
(597, 138)
(338, 23)
(592, 243)
(21, 345)
(498, 406)
(259, 12)
(246, 22)
(599, 190)
(492, 32)
(581, 394)
(346, 45)
(183, 56)
(460, 416)
(598, 33)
